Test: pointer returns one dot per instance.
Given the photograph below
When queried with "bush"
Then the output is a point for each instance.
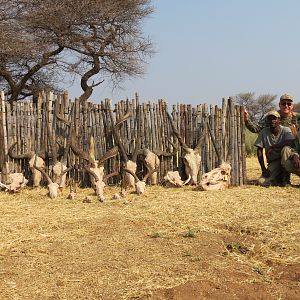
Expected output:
(249, 141)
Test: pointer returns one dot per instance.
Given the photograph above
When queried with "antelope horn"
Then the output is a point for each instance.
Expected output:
(138, 139)
(149, 174)
(124, 117)
(65, 121)
(188, 180)
(92, 173)
(19, 156)
(117, 137)
(172, 181)
(82, 154)
(64, 172)
(109, 154)
(42, 171)
(202, 137)
(51, 140)
(132, 173)
(214, 142)
(164, 153)
(175, 131)
(143, 151)
(106, 177)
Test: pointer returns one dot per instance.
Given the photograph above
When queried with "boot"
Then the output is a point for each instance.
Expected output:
(286, 179)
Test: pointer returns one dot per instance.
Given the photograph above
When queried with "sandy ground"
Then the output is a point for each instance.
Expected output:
(242, 243)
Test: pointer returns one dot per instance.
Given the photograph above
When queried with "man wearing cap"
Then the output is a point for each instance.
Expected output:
(291, 157)
(273, 138)
(288, 117)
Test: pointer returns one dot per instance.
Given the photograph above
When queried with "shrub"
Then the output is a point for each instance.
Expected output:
(249, 141)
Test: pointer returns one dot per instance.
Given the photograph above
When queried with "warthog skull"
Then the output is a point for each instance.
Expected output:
(217, 179)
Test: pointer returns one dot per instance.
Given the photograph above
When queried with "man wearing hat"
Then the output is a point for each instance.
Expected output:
(288, 117)
(273, 138)
(291, 157)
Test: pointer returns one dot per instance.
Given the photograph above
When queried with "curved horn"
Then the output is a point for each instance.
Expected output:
(202, 137)
(51, 140)
(106, 177)
(117, 136)
(164, 153)
(132, 173)
(42, 171)
(109, 154)
(188, 180)
(214, 142)
(19, 156)
(124, 117)
(175, 131)
(138, 138)
(82, 154)
(144, 152)
(149, 174)
(92, 173)
(67, 122)
(172, 181)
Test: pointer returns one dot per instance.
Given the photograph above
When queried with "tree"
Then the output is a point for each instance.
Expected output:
(297, 107)
(257, 107)
(95, 39)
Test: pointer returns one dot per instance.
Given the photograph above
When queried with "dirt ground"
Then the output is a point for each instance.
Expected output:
(242, 243)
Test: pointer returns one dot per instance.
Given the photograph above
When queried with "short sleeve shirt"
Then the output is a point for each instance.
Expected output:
(266, 139)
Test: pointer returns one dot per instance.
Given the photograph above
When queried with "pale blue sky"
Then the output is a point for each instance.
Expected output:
(209, 49)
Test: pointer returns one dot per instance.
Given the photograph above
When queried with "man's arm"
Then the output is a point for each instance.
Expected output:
(264, 171)
(252, 126)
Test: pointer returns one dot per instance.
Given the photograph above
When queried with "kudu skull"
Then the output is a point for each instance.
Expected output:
(191, 157)
(33, 157)
(53, 187)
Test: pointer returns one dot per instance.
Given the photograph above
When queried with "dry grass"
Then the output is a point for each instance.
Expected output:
(123, 249)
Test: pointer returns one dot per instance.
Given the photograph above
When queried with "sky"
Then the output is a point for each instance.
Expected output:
(210, 49)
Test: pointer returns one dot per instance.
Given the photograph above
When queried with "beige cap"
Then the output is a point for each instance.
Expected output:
(272, 113)
(286, 97)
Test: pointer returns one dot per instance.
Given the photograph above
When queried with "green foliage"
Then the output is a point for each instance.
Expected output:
(155, 235)
(189, 233)
(249, 141)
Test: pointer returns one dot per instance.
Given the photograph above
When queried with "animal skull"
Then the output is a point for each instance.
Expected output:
(217, 179)
(173, 179)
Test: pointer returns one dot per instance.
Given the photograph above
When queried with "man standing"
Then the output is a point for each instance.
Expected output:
(288, 117)
(273, 138)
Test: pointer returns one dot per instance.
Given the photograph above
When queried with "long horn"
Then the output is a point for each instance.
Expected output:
(82, 154)
(51, 139)
(106, 177)
(92, 173)
(109, 154)
(172, 181)
(138, 139)
(164, 153)
(175, 131)
(214, 142)
(202, 137)
(149, 174)
(42, 171)
(117, 136)
(124, 117)
(19, 156)
(64, 172)
(188, 180)
(68, 145)
(132, 173)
